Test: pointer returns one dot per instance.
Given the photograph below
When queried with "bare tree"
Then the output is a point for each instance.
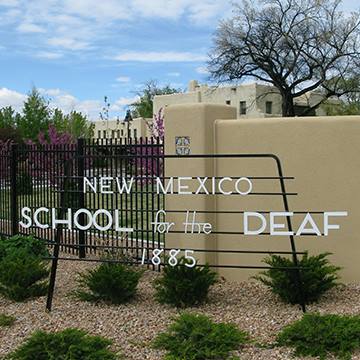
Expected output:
(296, 45)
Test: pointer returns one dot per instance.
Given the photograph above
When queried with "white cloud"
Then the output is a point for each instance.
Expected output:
(91, 108)
(121, 103)
(11, 98)
(49, 55)
(158, 56)
(126, 100)
(109, 10)
(160, 8)
(10, 16)
(9, 2)
(104, 10)
(174, 74)
(202, 70)
(50, 92)
(67, 43)
(123, 79)
(84, 25)
(199, 12)
(67, 102)
(30, 28)
(204, 11)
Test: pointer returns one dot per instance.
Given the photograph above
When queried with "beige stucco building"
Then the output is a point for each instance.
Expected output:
(317, 154)
(118, 129)
(251, 100)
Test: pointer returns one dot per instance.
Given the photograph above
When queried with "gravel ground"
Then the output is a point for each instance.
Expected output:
(133, 326)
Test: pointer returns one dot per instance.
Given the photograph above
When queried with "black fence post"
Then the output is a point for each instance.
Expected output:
(81, 174)
(298, 276)
(58, 238)
(13, 190)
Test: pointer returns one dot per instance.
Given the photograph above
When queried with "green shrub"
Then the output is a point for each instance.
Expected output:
(69, 344)
(6, 320)
(320, 335)
(30, 244)
(196, 337)
(183, 286)
(317, 276)
(24, 184)
(22, 275)
(111, 282)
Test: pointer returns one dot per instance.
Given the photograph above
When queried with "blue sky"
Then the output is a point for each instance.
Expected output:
(77, 51)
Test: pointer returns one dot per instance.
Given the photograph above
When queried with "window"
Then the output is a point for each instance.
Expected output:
(228, 102)
(104, 134)
(113, 134)
(99, 134)
(268, 107)
(242, 107)
(129, 134)
(135, 133)
(118, 134)
(122, 132)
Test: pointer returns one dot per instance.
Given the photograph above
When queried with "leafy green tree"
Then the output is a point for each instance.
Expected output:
(36, 115)
(342, 108)
(144, 106)
(349, 103)
(79, 125)
(8, 117)
(58, 120)
(74, 123)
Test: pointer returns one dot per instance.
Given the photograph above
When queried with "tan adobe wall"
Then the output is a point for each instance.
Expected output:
(322, 153)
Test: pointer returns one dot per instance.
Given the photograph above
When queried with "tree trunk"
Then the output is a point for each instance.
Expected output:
(288, 109)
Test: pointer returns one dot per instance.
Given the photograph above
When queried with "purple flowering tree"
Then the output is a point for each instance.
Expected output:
(156, 126)
(5, 149)
(150, 150)
(47, 158)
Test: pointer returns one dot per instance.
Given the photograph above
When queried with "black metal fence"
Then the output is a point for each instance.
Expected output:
(34, 177)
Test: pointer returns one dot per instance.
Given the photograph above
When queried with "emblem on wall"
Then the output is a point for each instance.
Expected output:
(182, 145)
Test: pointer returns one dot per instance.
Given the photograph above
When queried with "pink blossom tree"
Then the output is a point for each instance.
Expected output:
(149, 152)
(156, 126)
(5, 159)
(47, 158)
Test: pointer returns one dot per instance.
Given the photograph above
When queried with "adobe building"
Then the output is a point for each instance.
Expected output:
(118, 129)
(251, 100)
